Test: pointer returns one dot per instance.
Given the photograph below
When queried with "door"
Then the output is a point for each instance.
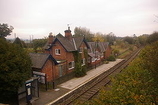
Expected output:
(60, 70)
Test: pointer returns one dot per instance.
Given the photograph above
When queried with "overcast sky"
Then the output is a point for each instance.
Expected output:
(40, 17)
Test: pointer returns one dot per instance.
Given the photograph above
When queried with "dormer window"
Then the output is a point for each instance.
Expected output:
(57, 51)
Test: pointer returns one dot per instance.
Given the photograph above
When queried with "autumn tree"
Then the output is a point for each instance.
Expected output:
(5, 30)
(135, 85)
(98, 37)
(149, 57)
(15, 69)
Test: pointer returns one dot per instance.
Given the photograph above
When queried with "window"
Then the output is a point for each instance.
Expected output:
(60, 70)
(83, 61)
(57, 51)
(93, 59)
(71, 65)
(81, 50)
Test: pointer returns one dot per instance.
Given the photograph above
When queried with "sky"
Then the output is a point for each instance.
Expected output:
(38, 18)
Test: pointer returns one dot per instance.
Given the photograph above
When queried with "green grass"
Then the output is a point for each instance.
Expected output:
(124, 51)
(123, 55)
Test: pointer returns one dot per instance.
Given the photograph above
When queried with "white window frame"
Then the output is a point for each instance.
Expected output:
(57, 51)
(83, 61)
(72, 65)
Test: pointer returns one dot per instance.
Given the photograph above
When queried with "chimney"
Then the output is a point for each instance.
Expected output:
(68, 34)
(50, 38)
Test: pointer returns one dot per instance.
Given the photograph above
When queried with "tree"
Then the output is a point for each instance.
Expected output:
(135, 85)
(15, 69)
(149, 57)
(5, 30)
(19, 42)
(129, 40)
(143, 39)
(98, 37)
(153, 37)
(80, 31)
(110, 38)
(39, 43)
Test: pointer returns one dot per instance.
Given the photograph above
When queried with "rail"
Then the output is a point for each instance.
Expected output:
(89, 89)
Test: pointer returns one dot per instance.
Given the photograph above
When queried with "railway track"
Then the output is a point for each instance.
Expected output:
(91, 89)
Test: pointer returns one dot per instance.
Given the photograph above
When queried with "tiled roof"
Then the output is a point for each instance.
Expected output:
(78, 41)
(92, 46)
(71, 45)
(39, 59)
(67, 44)
(91, 54)
(47, 46)
(101, 46)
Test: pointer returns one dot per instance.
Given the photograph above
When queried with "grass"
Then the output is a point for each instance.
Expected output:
(124, 51)
(123, 55)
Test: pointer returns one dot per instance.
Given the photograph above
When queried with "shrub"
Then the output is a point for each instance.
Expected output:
(111, 58)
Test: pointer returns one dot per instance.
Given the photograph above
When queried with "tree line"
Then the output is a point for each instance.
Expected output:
(142, 40)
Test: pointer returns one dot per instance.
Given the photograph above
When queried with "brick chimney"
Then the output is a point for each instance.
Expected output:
(50, 38)
(68, 34)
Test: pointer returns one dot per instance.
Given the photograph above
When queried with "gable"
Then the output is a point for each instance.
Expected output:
(67, 44)
(79, 41)
(39, 59)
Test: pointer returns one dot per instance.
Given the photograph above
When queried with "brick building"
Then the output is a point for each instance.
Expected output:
(44, 63)
(58, 61)
(62, 48)
(98, 52)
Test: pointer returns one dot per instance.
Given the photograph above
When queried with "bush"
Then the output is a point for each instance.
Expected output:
(106, 62)
(111, 58)
(80, 71)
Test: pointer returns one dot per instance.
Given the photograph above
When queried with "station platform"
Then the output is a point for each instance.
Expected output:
(49, 96)
(75, 82)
